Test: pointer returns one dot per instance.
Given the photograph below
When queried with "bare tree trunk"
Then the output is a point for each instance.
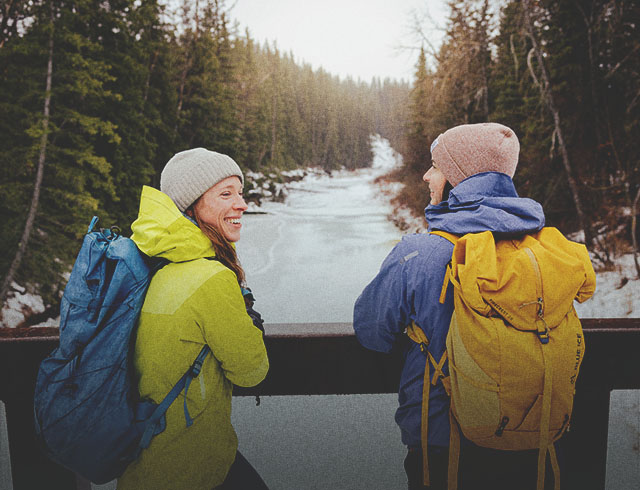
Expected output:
(589, 23)
(183, 81)
(274, 119)
(545, 88)
(147, 83)
(516, 66)
(484, 47)
(22, 247)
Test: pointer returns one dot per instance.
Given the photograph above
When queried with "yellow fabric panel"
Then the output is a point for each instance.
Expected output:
(168, 293)
(470, 383)
(479, 336)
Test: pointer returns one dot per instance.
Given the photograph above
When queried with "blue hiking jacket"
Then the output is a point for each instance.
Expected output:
(407, 288)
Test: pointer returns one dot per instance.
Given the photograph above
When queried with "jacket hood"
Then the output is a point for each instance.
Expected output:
(161, 230)
(486, 201)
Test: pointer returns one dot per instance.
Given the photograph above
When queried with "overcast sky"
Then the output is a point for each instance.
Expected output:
(357, 38)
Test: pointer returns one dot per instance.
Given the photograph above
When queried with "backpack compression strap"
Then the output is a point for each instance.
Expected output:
(183, 383)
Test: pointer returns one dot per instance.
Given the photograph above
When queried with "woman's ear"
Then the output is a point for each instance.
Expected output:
(447, 188)
(189, 212)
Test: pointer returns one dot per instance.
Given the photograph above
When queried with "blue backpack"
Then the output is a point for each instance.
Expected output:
(88, 414)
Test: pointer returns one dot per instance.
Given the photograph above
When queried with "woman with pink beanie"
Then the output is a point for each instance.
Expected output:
(471, 191)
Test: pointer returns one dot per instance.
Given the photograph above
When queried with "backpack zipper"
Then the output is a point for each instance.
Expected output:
(503, 424)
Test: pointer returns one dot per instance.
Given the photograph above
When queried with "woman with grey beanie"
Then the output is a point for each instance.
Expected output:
(197, 298)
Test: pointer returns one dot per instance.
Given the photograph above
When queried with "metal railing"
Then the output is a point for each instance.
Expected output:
(321, 359)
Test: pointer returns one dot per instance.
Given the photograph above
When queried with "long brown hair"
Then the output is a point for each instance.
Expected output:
(225, 251)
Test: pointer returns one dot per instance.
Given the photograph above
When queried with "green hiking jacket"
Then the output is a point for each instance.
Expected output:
(191, 301)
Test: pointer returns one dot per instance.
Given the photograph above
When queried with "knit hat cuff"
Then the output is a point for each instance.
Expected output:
(446, 164)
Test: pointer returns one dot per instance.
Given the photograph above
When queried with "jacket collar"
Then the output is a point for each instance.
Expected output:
(486, 201)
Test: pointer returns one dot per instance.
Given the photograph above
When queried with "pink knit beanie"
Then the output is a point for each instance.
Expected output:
(466, 150)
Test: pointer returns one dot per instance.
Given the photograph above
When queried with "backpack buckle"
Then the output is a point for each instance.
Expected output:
(196, 367)
(543, 335)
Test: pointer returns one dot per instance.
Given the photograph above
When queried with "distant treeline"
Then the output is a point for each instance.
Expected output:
(97, 95)
(565, 76)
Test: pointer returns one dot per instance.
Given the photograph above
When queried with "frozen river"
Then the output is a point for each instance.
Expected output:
(307, 259)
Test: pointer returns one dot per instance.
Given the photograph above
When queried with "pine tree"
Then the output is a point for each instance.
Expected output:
(76, 179)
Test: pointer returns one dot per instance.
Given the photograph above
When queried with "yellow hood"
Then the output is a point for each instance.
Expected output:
(161, 230)
(532, 281)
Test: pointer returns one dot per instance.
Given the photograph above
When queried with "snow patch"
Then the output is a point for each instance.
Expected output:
(20, 305)
(617, 292)
(385, 158)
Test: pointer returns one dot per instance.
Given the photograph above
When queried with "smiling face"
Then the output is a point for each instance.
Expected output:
(436, 180)
(222, 207)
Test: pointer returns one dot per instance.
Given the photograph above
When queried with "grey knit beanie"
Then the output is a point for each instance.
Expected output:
(191, 173)
(466, 150)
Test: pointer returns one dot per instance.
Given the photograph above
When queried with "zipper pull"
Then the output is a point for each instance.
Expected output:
(503, 424)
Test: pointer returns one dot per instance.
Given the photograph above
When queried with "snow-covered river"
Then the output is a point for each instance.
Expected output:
(307, 259)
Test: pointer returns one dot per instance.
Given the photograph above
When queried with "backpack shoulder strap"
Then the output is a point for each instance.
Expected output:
(183, 383)
(446, 235)
(453, 239)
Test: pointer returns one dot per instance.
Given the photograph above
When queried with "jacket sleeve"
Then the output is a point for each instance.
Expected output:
(227, 328)
(383, 310)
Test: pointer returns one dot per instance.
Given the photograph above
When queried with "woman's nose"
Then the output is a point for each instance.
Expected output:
(241, 204)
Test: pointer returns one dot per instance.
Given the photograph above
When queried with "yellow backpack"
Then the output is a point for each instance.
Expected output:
(514, 345)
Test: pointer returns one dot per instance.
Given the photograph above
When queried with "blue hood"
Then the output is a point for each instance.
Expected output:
(486, 201)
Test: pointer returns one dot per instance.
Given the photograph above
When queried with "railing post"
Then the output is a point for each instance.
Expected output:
(6, 483)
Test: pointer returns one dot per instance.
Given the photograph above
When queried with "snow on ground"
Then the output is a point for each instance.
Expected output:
(20, 305)
(384, 157)
(617, 292)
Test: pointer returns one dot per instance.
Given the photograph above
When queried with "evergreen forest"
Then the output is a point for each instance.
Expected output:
(565, 76)
(96, 96)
